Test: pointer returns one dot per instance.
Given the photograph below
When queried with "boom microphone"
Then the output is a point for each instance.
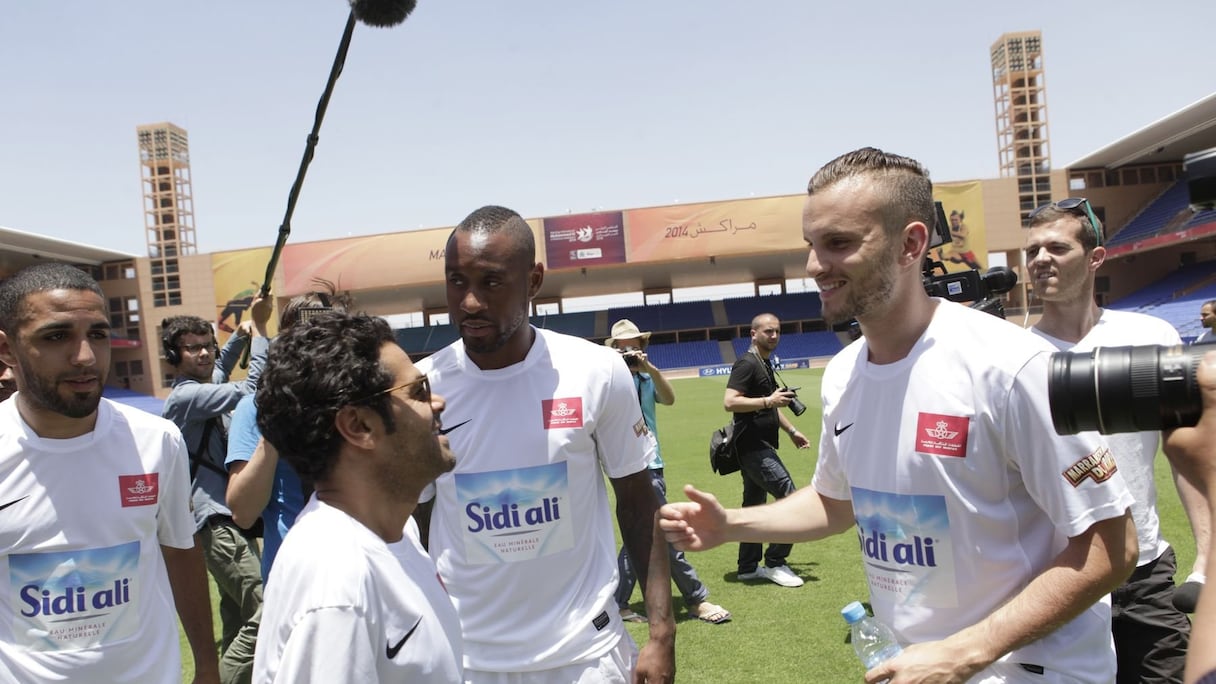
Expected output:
(382, 13)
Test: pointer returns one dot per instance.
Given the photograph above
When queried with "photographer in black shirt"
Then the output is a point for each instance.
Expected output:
(753, 395)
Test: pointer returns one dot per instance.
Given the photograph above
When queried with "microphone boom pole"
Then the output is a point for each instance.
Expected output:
(313, 138)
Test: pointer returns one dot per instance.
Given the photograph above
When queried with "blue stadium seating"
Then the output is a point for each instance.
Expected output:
(581, 324)
(797, 345)
(1155, 216)
(666, 317)
(685, 354)
(799, 306)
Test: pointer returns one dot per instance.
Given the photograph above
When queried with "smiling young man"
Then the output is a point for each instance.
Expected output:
(352, 596)
(96, 539)
(521, 529)
(989, 542)
(1063, 254)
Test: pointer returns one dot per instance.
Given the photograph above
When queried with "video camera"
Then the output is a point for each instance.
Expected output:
(1135, 389)
(981, 291)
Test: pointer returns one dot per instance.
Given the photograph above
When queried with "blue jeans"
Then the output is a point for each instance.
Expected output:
(683, 574)
(763, 474)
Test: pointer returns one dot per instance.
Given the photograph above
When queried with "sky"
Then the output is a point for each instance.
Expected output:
(544, 106)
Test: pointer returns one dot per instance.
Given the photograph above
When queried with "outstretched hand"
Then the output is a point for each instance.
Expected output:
(698, 524)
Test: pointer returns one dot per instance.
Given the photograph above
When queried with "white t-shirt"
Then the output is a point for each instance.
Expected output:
(1134, 451)
(521, 530)
(84, 594)
(961, 489)
(345, 606)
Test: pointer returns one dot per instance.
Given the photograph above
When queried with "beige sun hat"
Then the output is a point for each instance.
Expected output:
(625, 329)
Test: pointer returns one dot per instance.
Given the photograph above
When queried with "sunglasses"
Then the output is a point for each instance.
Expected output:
(1076, 205)
(425, 390)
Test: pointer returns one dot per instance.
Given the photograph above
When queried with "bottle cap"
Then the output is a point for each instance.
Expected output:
(853, 612)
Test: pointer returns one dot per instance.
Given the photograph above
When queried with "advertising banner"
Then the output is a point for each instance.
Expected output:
(714, 229)
(371, 261)
(581, 240)
(964, 205)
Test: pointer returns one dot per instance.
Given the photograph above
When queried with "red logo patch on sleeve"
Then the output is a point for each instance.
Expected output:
(942, 435)
(562, 413)
(1098, 466)
(139, 490)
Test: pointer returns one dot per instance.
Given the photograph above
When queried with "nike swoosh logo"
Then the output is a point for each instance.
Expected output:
(391, 651)
(444, 431)
(4, 506)
(838, 430)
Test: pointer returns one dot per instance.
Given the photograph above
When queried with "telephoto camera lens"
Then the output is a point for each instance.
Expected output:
(1125, 389)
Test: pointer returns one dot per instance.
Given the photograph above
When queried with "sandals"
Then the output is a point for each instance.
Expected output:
(708, 612)
(627, 615)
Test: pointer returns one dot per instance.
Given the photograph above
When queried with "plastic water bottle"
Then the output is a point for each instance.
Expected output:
(872, 640)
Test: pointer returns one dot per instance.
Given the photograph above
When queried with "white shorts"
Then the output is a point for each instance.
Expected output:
(615, 667)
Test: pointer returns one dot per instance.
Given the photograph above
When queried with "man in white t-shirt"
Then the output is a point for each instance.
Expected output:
(352, 595)
(97, 541)
(1063, 254)
(521, 529)
(989, 542)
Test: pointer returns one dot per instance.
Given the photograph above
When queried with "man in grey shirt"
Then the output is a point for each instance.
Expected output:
(199, 405)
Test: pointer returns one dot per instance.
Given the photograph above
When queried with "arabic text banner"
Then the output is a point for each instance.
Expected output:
(582, 240)
(714, 229)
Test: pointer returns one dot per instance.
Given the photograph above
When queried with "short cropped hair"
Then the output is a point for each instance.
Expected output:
(41, 277)
(904, 180)
(1087, 233)
(493, 220)
(313, 370)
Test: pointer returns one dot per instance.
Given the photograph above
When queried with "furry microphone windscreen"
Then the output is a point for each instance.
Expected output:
(382, 13)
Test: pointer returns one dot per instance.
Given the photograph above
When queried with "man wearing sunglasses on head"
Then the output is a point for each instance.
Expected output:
(1063, 253)
(199, 405)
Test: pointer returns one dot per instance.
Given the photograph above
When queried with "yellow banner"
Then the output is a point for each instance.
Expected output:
(372, 261)
(237, 276)
(964, 205)
(720, 228)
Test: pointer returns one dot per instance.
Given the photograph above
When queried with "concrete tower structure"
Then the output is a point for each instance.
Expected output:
(164, 160)
(1020, 96)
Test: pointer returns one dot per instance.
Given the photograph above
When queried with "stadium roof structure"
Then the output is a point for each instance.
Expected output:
(1168, 139)
(19, 249)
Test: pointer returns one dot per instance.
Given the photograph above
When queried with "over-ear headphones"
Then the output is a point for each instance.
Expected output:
(172, 355)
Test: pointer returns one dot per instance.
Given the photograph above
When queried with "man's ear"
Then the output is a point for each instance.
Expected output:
(535, 278)
(6, 351)
(1096, 258)
(355, 424)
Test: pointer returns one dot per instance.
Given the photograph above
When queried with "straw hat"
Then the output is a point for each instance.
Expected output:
(625, 329)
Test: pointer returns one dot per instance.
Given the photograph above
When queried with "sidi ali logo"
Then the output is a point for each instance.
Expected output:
(562, 413)
(138, 490)
(942, 435)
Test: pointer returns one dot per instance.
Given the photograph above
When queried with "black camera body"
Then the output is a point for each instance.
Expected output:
(1126, 389)
(796, 404)
(632, 357)
(982, 291)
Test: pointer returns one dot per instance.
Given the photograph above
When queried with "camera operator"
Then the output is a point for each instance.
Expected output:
(1192, 451)
(1063, 253)
(652, 388)
(753, 396)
